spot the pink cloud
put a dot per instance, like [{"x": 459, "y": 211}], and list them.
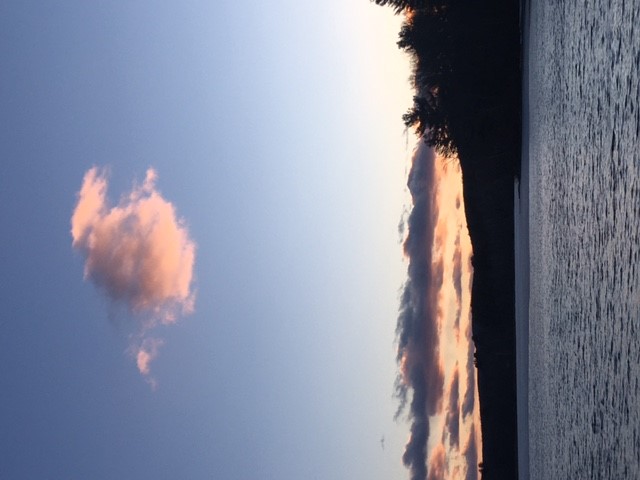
[
  {"x": 437, "y": 463},
  {"x": 138, "y": 252},
  {"x": 147, "y": 352}
]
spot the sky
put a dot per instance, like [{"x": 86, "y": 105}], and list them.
[
  {"x": 260, "y": 153},
  {"x": 436, "y": 384}
]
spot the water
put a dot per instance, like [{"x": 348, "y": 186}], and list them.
[{"x": 584, "y": 219}]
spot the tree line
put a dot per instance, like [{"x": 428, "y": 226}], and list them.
[{"x": 466, "y": 72}]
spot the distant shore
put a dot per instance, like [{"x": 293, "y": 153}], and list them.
[
  {"x": 491, "y": 162},
  {"x": 469, "y": 103},
  {"x": 473, "y": 105}
]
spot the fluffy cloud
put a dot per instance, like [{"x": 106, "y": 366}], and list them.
[
  {"x": 138, "y": 252},
  {"x": 147, "y": 351}
]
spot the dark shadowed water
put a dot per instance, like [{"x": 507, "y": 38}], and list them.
[{"x": 584, "y": 331}]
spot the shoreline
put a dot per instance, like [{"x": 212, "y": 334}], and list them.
[{"x": 522, "y": 261}]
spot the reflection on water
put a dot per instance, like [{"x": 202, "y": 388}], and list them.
[{"x": 585, "y": 240}]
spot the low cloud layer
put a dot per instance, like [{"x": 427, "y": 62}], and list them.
[
  {"x": 436, "y": 381},
  {"x": 417, "y": 328},
  {"x": 138, "y": 253}
]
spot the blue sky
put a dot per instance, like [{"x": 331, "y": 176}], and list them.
[{"x": 275, "y": 131}]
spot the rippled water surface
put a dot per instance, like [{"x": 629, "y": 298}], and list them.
[{"x": 584, "y": 358}]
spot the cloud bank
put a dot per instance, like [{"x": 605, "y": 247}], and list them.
[
  {"x": 417, "y": 328},
  {"x": 138, "y": 253},
  {"x": 436, "y": 380}
]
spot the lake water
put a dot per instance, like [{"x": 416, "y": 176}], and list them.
[{"x": 583, "y": 163}]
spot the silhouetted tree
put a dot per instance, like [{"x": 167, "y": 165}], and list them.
[
  {"x": 402, "y": 5},
  {"x": 460, "y": 67},
  {"x": 430, "y": 123}
]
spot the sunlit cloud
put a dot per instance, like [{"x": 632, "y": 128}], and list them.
[
  {"x": 147, "y": 351},
  {"x": 437, "y": 465},
  {"x": 435, "y": 351},
  {"x": 138, "y": 253}
]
